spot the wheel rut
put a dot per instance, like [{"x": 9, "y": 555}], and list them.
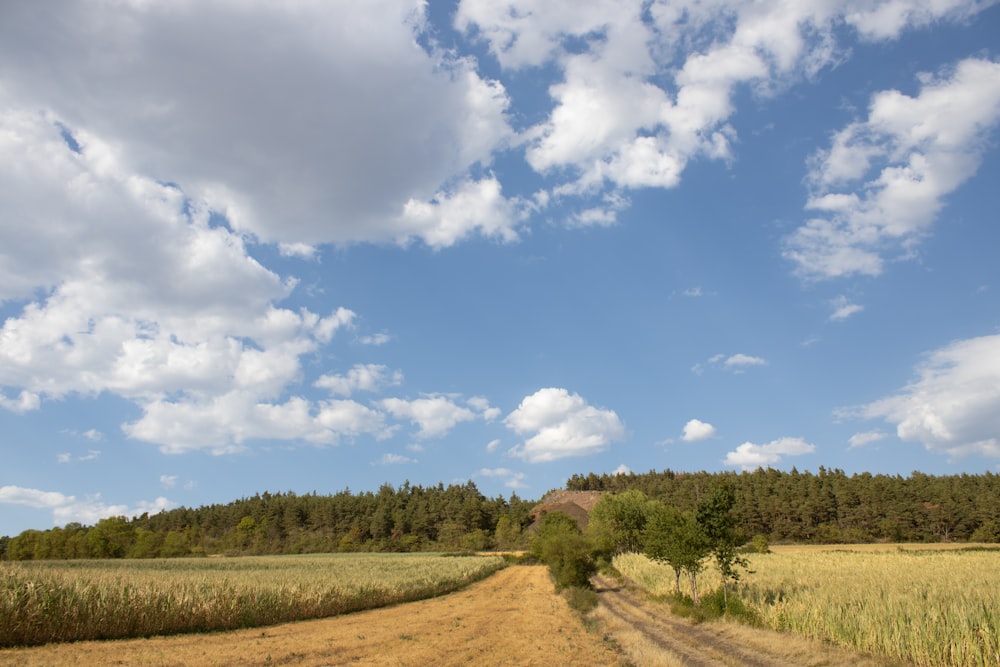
[{"x": 694, "y": 645}]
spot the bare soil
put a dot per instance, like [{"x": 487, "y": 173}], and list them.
[{"x": 511, "y": 618}]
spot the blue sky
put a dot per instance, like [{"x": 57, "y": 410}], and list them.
[{"x": 305, "y": 246}]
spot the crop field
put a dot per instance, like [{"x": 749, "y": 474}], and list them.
[
  {"x": 55, "y": 601},
  {"x": 922, "y": 605}
]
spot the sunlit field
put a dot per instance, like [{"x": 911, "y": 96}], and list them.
[
  {"x": 50, "y": 601},
  {"x": 925, "y": 605}
]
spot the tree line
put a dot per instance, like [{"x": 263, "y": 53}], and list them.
[
  {"x": 407, "y": 518},
  {"x": 826, "y": 507},
  {"x": 830, "y": 506}
]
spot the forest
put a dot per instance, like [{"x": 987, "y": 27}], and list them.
[{"x": 793, "y": 507}]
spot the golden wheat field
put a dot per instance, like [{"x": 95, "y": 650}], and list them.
[
  {"x": 50, "y": 601},
  {"x": 924, "y": 605}
]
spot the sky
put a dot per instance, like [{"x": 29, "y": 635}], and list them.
[{"x": 320, "y": 245}]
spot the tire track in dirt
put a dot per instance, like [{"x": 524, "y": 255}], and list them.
[{"x": 694, "y": 645}]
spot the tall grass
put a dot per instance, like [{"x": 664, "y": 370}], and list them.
[
  {"x": 52, "y": 601},
  {"x": 926, "y": 607}
]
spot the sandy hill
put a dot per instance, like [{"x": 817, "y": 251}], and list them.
[{"x": 575, "y": 504}]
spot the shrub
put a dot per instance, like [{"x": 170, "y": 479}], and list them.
[{"x": 581, "y": 600}]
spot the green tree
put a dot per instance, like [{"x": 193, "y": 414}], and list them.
[
  {"x": 112, "y": 537},
  {"x": 617, "y": 521},
  {"x": 716, "y": 520},
  {"x": 676, "y": 538},
  {"x": 568, "y": 553},
  {"x": 508, "y": 533}
]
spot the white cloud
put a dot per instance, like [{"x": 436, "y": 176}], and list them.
[
  {"x": 563, "y": 425},
  {"x": 512, "y": 479},
  {"x": 866, "y": 438},
  {"x": 842, "y": 308},
  {"x": 736, "y": 363},
  {"x": 300, "y": 250},
  {"x": 435, "y": 415},
  {"x": 67, "y": 457},
  {"x": 483, "y": 407},
  {"x": 66, "y": 509},
  {"x": 362, "y": 377},
  {"x": 739, "y": 361},
  {"x": 449, "y": 217},
  {"x": 300, "y": 163},
  {"x": 750, "y": 456},
  {"x": 622, "y": 470},
  {"x": 882, "y": 183},
  {"x": 953, "y": 406},
  {"x": 26, "y": 401},
  {"x": 394, "y": 459},
  {"x": 155, "y": 304},
  {"x": 696, "y": 430},
  {"x": 375, "y": 339},
  {"x": 168, "y": 481},
  {"x": 647, "y": 87},
  {"x": 224, "y": 424},
  {"x": 493, "y": 445}
]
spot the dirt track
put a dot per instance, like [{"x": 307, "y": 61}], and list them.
[
  {"x": 679, "y": 642},
  {"x": 511, "y": 618}
]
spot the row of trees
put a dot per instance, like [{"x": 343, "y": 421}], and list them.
[
  {"x": 827, "y": 507},
  {"x": 632, "y": 522},
  {"x": 830, "y": 506},
  {"x": 408, "y": 518}
]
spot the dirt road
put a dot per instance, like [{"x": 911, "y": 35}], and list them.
[
  {"x": 511, "y": 618},
  {"x": 650, "y": 635}
]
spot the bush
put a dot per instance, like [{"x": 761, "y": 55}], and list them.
[
  {"x": 581, "y": 600},
  {"x": 560, "y": 545},
  {"x": 760, "y": 545}
]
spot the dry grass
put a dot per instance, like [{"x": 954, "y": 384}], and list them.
[
  {"x": 512, "y": 618},
  {"x": 923, "y": 604},
  {"x": 930, "y": 607},
  {"x": 50, "y": 601}
]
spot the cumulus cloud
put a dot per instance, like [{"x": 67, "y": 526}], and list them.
[
  {"x": 156, "y": 304},
  {"x": 866, "y": 438},
  {"x": 394, "y": 459},
  {"x": 736, "y": 363},
  {"x": 168, "y": 481},
  {"x": 302, "y": 163},
  {"x": 26, "y": 401},
  {"x": 512, "y": 479},
  {"x": 563, "y": 424},
  {"x": 843, "y": 308},
  {"x": 437, "y": 414},
  {"x": 883, "y": 181},
  {"x": 646, "y": 88},
  {"x": 361, "y": 377},
  {"x": 953, "y": 407},
  {"x": 750, "y": 456},
  {"x": 66, "y": 509},
  {"x": 696, "y": 430}
]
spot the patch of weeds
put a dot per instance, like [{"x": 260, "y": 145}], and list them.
[
  {"x": 714, "y": 605},
  {"x": 408, "y": 638},
  {"x": 523, "y": 558},
  {"x": 582, "y": 600}
]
